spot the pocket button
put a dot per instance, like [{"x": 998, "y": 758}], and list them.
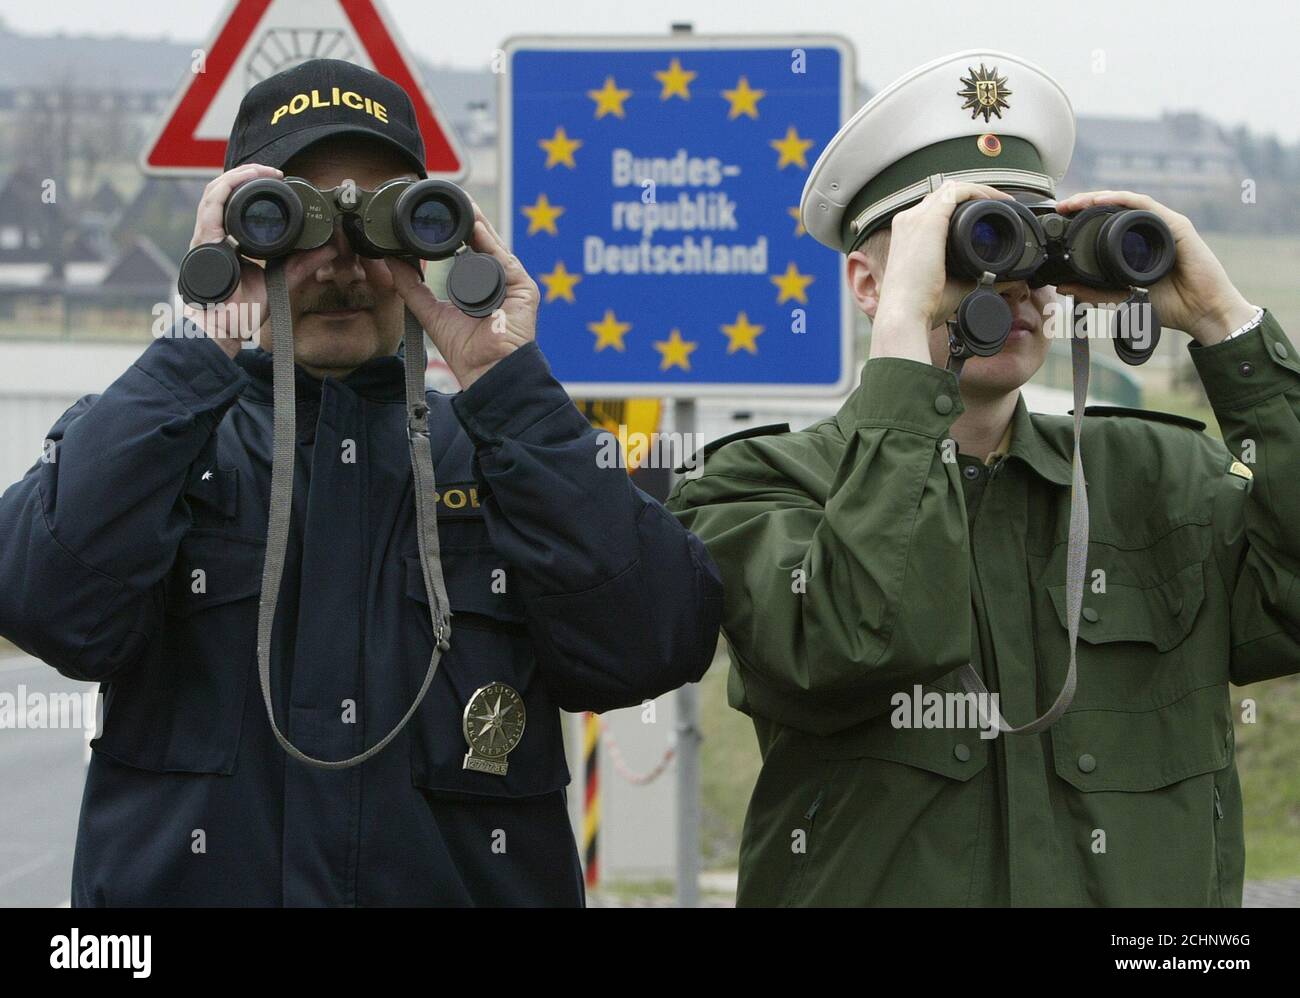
[
  {"x": 1087, "y": 763},
  {"x": 961, "y": 752}
]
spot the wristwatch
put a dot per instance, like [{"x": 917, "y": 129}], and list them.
[{"x": 1259, "y": 317}]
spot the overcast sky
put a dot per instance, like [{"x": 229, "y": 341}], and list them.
[{"x": 1234, "y": 61}]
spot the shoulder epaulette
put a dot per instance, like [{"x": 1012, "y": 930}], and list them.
[
  {"x": 1152, "y": 414},
  {"x": 754, "y": 431}
]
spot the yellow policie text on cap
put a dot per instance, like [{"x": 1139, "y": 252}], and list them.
[{"x": 348, "y": 98}]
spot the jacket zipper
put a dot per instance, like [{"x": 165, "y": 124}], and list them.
[
  {"x": 1218, "y": 804},
  {"x": 811, "y": 813}
]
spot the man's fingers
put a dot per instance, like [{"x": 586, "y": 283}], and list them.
[
  {"x": 409, "y": 283},
  {"x": 1126, "y": 199},
  {"x": 486, "y": 239},
  {"x": 209, "y": 222},
  {"x": 377, "y": 273},
  {"x": 951, "y": 193},
  {"x": 491, "y": 230},
  {"x": 297, "y": 266},
  {"x": 1087, "y": 199}
]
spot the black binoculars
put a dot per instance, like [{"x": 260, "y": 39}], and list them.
[
  {"x": 1107, "y": 247},
  {"x": 425, "y": 219}
]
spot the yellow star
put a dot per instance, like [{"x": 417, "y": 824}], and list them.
[
  {"x": 792, "y": 284},
  {"x": 560, "y": 148},
  {"x": 542, "y": 215},
  {"x": 560, "y": 283},
  {"x": 741, "y": 334},
  {"x": 676, "y": 80},
  {"x": 609, "y": 331},
  {"x": 609, "y": 99},
  {"x": 676, "y": 351},
  {"x": 792, "y": 149},
  {"x": 799, "y": 230},
  {"x": 743, "y": 100}
]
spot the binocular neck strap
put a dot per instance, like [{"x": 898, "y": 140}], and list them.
[
  {"x": 277, "y": 536},
  {"x": 1075, "y": 568}
]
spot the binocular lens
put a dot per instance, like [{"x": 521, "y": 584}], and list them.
[
  {"x": 265, "y": 219},
  {"x": 1138, "y": 249},
  {"x": 1134, "y": 247},
  {"x": 984, "y": 235},
  {"x": 988, "y": 239},
  {"x": 432, "y": 220},
  {"x": 265, "y": 216}
]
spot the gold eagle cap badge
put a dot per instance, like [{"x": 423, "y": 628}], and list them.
[
  {"x": 985, "y": 93},
  {"x": 493, "y": 724}
]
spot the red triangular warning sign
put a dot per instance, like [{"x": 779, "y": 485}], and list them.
[{"x": 257, "y": 38}]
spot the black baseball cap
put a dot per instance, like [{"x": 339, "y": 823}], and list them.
[{"x": 322, "y": 99}]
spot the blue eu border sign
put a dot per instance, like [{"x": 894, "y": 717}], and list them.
[{"x": 651, "y": 186}]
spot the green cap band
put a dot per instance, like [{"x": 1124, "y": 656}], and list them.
[{"x": 950, "y": 156}]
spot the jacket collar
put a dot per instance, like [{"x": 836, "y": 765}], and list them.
[
  {"x": 1030, "y": 444},
  {"x": 382, "y": 379}
]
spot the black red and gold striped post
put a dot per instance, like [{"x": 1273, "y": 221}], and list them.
[{"x": 591, "y": 798}]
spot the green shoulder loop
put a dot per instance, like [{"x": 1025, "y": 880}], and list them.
[
  {"x": 1152, "y": 414},
  {"x": 754, "y": 431}
]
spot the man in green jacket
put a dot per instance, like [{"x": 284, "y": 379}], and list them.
[{"x": 926, "y": 527}]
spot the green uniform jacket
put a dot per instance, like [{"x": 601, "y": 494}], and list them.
[{"x": 857, "y": 562}]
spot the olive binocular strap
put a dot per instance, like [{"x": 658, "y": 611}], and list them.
[
  {"x": 1075, "y": 569},
  {"x": 281, "y": 508}
]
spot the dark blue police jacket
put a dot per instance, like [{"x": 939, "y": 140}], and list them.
[{"x": 134, "y": 559}]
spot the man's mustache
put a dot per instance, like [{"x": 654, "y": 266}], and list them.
[{"x": 340, "y": 299}]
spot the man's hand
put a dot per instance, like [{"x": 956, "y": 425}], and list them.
[
  {"x": 1196, "y": 296},
  {"x": 471, "y": 346},
  {"x": 243, "y": 313},
  {"x": 916, "y": 294}
]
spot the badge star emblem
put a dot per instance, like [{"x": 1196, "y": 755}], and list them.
[
  {"x": 985, "y": 92},
  {"x": 493, "y": 724},
  {"x": 206, "y": 476}
]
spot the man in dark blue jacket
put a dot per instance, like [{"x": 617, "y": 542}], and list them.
[{"x": 134, "y": 558}]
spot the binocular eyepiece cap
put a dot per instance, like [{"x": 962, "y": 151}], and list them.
[
  {"x": 985, "y": 320},
  {"x": 476, "y": 284},
  {"x": 208, "y": 274}
]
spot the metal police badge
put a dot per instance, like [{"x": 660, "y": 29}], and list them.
[
  {"x": 493, "y": 725},
  {"x": 985, "y": 92}
]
